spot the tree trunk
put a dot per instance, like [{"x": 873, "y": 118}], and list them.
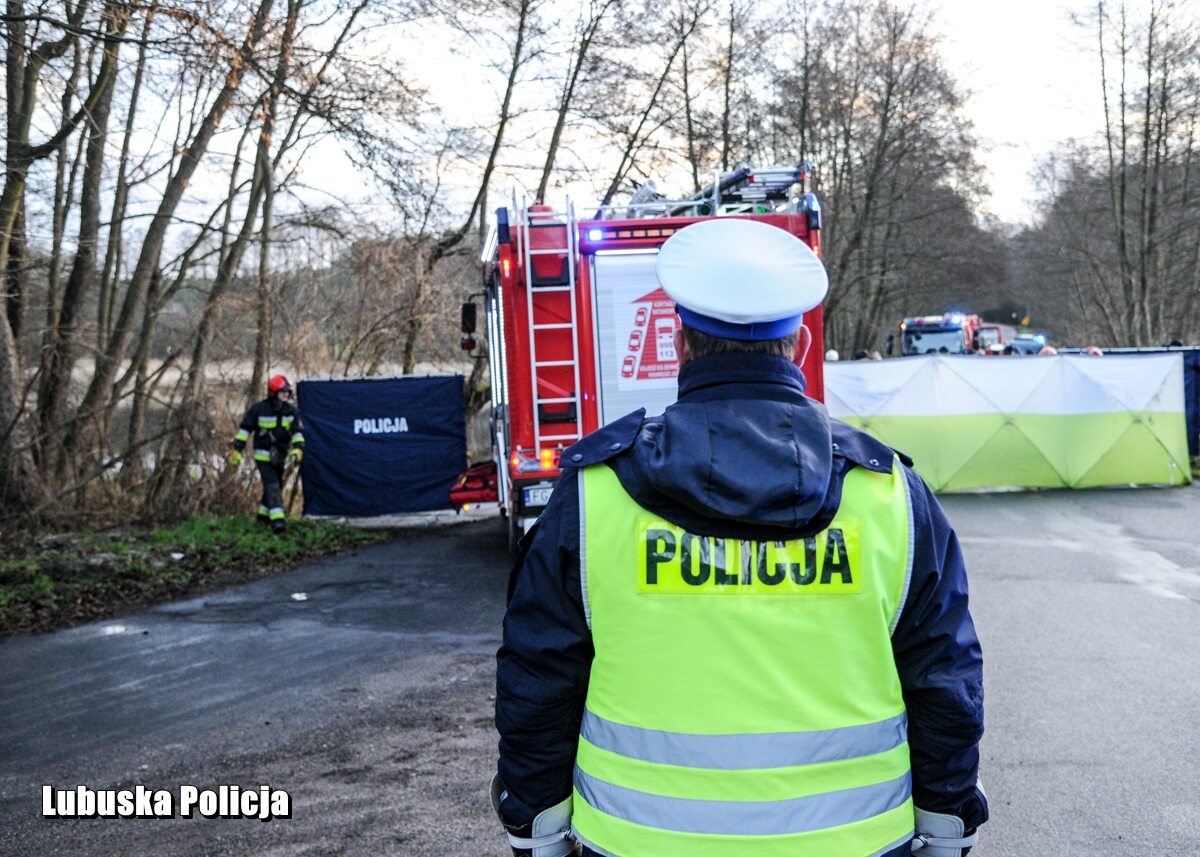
[
  {"x": 412, "y": 331},
  {"x": 629, "y": 155},
  {"x": 17, "y": 482},
  {"x": 14, "y": 65},
  {"x": 19, "y": 154},
  {"x": 688, "y": 122},
  {"x": 727, "y": 87},
  {"x": 262, "y": 339},
  {"x": 108, "y": 361},
  {"x": 141, "y": 389},
  {"x": 453, "y": 238},
  {"x": 64, "y": 199},
  {"x": 586, "y": 37},
  {"x": 233, "y": 257},
  {"x": 56, "y": 380},
  {"x": 106, "y": 303},
  {"x": 15, "y": 276}
]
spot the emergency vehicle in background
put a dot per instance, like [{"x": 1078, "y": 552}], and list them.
[
  {"x": 579, "y": 331},
  {"x": 952, "y": 333}
]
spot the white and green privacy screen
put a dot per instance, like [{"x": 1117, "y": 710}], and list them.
[{"x": 1030, "y": 422}]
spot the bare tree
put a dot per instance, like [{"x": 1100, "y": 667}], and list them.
[
  {"x": 60, "y": 356},
  {"x": 112, "y": 256},
  {"x": 27, "y": 64},
  {"x": 524, "y": 29},
  {"x": 870, "y": 103},
  {"x": 108, "y": 359},
  {"x": 1121, "y": 228},
  {"x": 728, "y": 62},
  {"x": 260, "y": 191},
  {"x": 634, "y": 132},
  {"x": 591, "y": 19}
]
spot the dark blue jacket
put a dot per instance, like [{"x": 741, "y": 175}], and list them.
[{"x": 742, "y": 454}]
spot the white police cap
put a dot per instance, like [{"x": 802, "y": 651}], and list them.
[{"x": 740, "y": 279}]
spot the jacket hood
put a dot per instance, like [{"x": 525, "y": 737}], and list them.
[{"x": 742, "y": 444}]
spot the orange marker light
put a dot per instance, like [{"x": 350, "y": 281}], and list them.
[{"x": 547, "y": 459}]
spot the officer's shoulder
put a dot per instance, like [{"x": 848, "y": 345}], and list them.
[
  {"x": 864, "y": 450},
  {"x": 605, "y": 442}
]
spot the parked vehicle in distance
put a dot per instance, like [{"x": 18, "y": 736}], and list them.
[
  {"x": 1028, "y": 343},
  {"x": 952, "y": 333},
  {"x": 993, "y": 333}
]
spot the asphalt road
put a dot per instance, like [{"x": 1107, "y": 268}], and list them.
[
  {"x": 1088, "y": 607},
  {"x": 362, "y": 685}
]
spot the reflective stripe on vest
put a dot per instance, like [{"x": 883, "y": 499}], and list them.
[
  {"x": 268, "y": 422},
  {"x": 743, "y": 697},
  {"x": 745, "y": 751}
]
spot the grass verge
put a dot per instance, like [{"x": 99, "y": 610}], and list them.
[{"x": 64, "y": 580}]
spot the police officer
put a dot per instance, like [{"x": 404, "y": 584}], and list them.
[
  {"x": 275, "y": 424},
  {"x": 739, "y": 628}
]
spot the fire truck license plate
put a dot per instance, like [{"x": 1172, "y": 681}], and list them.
[{"x": 538, "y": 495}]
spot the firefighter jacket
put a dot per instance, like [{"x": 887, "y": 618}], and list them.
[
  {"x": 743, "y": 458},
  {"x": 275, "y": 427}
]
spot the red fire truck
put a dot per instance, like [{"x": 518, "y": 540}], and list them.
[
  {"x": 579, "y": 331},
  {"x": 952, "y": 333}
]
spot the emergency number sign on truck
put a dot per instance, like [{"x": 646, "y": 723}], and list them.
[{"x": 579, "y": 331}]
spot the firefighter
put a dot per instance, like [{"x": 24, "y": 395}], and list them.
[
  {"x": 741, "y": 627},
  {"x": 275, "y": 424}
]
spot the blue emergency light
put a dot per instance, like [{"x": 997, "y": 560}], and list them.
[{"x": 595, "y": 234}]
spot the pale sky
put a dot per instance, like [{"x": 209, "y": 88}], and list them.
[
  {"x": 1033, "y": 86},
  {"x": 1031, "y": 78}
]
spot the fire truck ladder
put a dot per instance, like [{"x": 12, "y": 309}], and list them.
[
  {"x": 556, "y": 219},
  {"x": 746, "y": 190}
]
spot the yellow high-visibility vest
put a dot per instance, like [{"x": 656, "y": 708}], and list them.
[{"x": 744, "y": 699}]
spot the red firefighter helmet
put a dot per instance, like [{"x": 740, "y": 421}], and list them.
[{"x": 277, "y": 385}]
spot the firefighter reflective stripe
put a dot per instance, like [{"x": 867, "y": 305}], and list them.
[
  {"x": 263, "y": 512},
  {"x": 745, "y": 818},
  {"x": 262, "y": 455},
  {"x": 268, "y": 422},
  {"x": 287, "y": 421},
  {"x": 298, "y": 439},
  {"x": 743, "y": 697},
  {"x": 276, "y": 513},
  {"x": 242, "y": 436},
  {"x": 744, "y": 751}
]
